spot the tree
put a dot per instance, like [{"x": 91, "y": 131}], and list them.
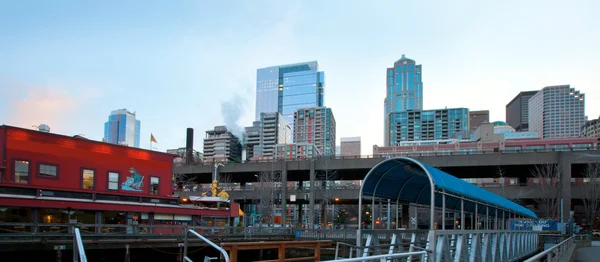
[
  {"x": 268, "y": 182},
  {"x": 591, "y": 192},
  {"x": 225, "y": 182},
  {"x": 547, "y": 178}
]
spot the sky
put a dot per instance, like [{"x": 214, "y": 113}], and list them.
[{"x": 68, "y": 64}]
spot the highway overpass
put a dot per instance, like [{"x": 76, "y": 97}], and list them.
[{"x": 489, "y": 165}]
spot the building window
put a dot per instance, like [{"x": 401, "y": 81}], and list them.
[
  {"x": 88, "y": 178},
  {"x": 47, "y": 170},
  {"x": 21, "y": 172},
  {"x": 154, "y": 181},
  {"x": 113, "y": 181}
]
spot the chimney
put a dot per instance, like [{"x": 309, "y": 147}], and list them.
[{"x": 189, "y": 146}]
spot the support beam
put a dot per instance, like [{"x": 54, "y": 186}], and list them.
[
  {"x": 564, "y": 165},
  {"x": 311, "y": 203},
  {"x": 284, "y": 194}
]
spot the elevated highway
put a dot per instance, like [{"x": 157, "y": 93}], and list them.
[{"x": 351, "y": 168}]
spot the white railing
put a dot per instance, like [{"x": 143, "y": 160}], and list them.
[
  {"x": 78, "y": 250},
  {"x": 448, "y": 245},
  {"x": 212, "y": 244},
  {"x": 560, "y": 252},
  {"x": 387, "y": 257}
]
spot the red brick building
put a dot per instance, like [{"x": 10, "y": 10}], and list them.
[{"x": 44, "y": 176}]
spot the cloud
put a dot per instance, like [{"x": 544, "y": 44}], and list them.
[{"x": 26, "y": 105}]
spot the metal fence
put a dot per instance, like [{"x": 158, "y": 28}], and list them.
[
  {"x": 560, "y": 252},
  {"x": 16, "y": 230}
]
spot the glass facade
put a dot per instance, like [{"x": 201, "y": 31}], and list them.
[
  {"x": 404, "y": 89},
  {"x": 287, "y": 88},
  {"x": 427, "y": 125},
  {"x": 122, "y": 128}
]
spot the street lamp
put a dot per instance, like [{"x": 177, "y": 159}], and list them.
[
  {"x": 217, "y": 165},
  {"x": 261, "y": 198}
]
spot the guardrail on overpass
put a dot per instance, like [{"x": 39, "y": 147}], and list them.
[{"x": 409, "y": 154}]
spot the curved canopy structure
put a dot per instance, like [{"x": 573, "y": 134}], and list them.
[{"x": 405, "y": 179}]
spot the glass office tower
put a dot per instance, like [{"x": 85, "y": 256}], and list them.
[
  {"x": 287, "y": 88},
  {"x": 122, "y": 128},
  {"x": 404, "y": 90}
]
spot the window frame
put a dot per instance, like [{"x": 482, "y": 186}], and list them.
[
  {"x": 81, "y": 178},
  {"x": 150, "y": 186},
  {"x": 39, "y": 170},
  {"x": 108, "y": 172},
  {"x": 14, "y": 171}
]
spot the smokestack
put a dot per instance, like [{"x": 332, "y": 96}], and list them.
[{"x": 189, "y": 146}]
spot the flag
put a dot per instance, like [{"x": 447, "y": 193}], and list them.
[
  {"x": 152, "y": 139},
  {"x": 103, "y": 140}
]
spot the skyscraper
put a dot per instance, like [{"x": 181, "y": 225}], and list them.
[
  {"x": 263, "y": 135},
  {"x": 286, "y": 88},
  {"x": 122, "y": 128},
  {"x": 220, "y": 145},
  {"x": 557, "y": 112},
  {"x": 315, "y": 126},
  {"x": 404, "y": 90},
  {"x": 517, "y": 111}
]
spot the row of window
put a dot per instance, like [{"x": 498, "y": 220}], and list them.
[{"x": 22, "y": 175}]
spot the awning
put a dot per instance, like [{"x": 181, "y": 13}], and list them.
[{"x": 404, "y": 179}]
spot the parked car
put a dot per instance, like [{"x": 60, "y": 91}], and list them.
[{"x": 596, "y": 233}]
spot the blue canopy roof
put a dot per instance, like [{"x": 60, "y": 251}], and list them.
[{"x": 408, "y": 180}]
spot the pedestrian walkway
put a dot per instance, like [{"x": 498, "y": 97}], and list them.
[{"x": 587, "y": 254}]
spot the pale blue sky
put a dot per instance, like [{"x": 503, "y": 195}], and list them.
[{"x": 69, "y": 63}]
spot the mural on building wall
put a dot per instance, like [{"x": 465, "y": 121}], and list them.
[{"x": 134, "y": 182}]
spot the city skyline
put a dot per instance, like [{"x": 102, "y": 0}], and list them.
[{"x": 176, "y": 64}]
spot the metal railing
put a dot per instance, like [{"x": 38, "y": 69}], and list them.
[
  {"x": 448, "y": 245},
  {"x": 14, "y": 231},
  {"x": 185, "y": 246},
  {"x": 337, "y": 234},
  {"x": 387, "y": 257},
  {"x": 415, "y": 154},
  {"x": 78, "y": 250},
  {"x": 557, "y": 252}
]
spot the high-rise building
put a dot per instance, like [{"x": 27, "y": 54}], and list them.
[
  {"x": 428, "y": 125},
  {"x": 299, "y": 151},
  {"x": 220, "y": 145},
  {"x": 591, "y": 128},
  {"x": 404, "y": 90},
  {"x": 476, "y": 118},
  {"x": 557, "y": 112},
  {"x": 517, "y": 111},
  {"x": 315, "y": 125},
  {"x": 122, "y": 128},
  {"x": 287, "y": 88},
  {"x": 350, "y": 146},
  {"x": 263, "y": 135}
]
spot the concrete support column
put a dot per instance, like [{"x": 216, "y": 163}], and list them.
[
  {"x": 413, "y": 213},
  {"x": 564, "y": 165},
  {"x": 311, "y": 203},
  {"x": 284, "y": 191}
]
